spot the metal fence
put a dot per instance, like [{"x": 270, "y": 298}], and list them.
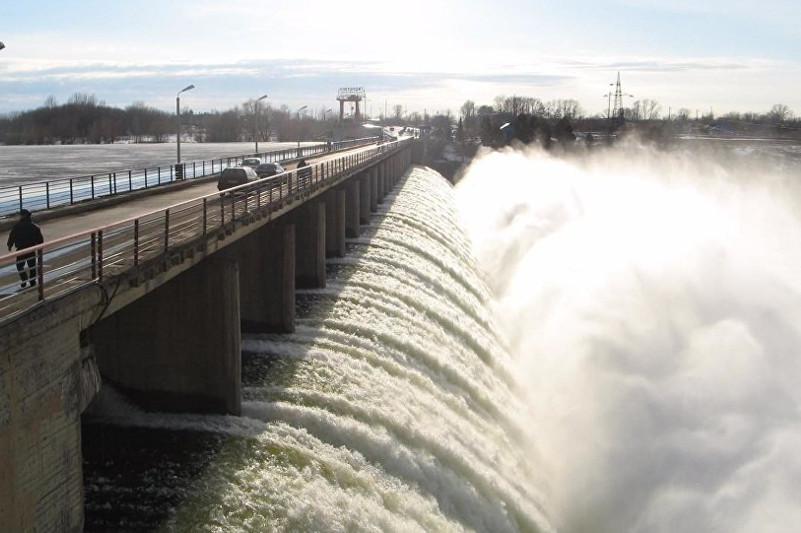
[
  {"x": 41, "y": 195},
  {"x": 91, "y": 256}
]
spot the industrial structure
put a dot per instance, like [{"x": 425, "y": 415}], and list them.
[{"x": 350, "y": 94}]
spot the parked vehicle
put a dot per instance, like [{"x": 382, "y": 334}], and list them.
[
  {"x": 265, "y": 170},
  {"x": 235, "y": 176},
  {"x": 252, "y": 162}
]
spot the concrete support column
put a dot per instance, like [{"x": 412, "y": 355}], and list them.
[
  {"x": 309, "y": 221},
  {"x": 352, "y": 207},
  {"x": 46, "y": 381},
  {"x": 364, "y": 198},
  {"x": 266, "y": 260},
  {"x": 374, "y": 189},
  {"x": 381, "y": 172},
  {"x": 178, "y": 347},
  {"x": 335, "y": 223}
]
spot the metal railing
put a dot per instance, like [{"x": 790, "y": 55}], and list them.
[
  {"x": 36, "y": 196},
  {"x": 75, "y": 261}
]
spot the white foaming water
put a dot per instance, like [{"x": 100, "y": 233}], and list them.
[
  {"x": 653, "y": 306},
  {"x": 394, "y": 407}
]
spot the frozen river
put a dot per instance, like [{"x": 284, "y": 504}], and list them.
[{"x": 22, "y": 164}]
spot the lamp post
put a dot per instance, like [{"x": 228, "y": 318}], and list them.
[
  {"x": 257, "y": 117},
  {"x": 297, "y": 113},
  {"x": 178, "y": 121}
]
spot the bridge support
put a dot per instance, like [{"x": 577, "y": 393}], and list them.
[
  {"x": 266, "y": 260},
  {"x": 374, "y": 189},
  {"x": 178, "y": 347},
  {"x": 335, "y": 223},
  {"x": 364, "y": 198},
  {"x": 352, "y": 207},
  {"x": 379, "y": 177},
  {"x": 310, "y": 245},
  {"x": 46, "y": 380}
]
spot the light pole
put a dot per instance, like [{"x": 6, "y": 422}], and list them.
[
  {"x": 297, "y": 113},
  {"x": 178, "y": 120},
  {"x": 257, "y": 117}
]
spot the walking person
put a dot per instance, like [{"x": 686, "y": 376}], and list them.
[{"x": 23, "y": 235}]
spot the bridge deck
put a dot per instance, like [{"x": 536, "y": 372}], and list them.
[
  {"x": 104, "y": 243},
  {"x": 102, "y": 216}
]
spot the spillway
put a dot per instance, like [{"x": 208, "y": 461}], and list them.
[{"x": 393, "y": 407}]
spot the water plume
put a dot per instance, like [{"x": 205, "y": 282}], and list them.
[{"x": 652, "y": 301}]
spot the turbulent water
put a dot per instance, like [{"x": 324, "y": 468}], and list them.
[
  {"x": 394, "y": 407},
  {"x": 652, "y": 302}
]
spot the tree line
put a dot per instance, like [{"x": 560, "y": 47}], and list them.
[{"x": 83, "y": 119}]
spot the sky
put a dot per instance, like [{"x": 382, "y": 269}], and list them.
[{"x": 719, "y": 55}]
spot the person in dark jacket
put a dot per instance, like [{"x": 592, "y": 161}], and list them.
[
  {"x": 23, "y": 235},
  {"x": 304, "y": 172}
]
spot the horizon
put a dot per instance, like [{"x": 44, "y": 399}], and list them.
[{"x": 739, "y": 56}]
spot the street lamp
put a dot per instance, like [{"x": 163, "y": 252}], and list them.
[
  {"x": 258, "y": 116},
  {"x": 297, "y": 113},
  {"x": 178, "y": 120}
]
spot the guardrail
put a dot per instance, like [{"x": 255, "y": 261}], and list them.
[
  {"x": 37, "y": 196},
  {"x": 75, "y": 261}
]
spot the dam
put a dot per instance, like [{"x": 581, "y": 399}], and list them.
[{"x": 391, "y": 407}]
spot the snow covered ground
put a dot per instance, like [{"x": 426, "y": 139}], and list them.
[{"x": 21, "y": 164}]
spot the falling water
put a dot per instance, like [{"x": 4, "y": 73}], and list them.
[
  {"x": 394, "y": 407},
  {"x": 652, "y": 302}
]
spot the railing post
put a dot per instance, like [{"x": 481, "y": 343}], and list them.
[
  {"x": 40, "y": 272},
  {"x": 159, "y": 178},
  {"x": 166, "y": 229},
  {"x": 94, "y": 255},
  {"x": 71, "y": 196},
  {"x": 130, "y": 181},
  {"x": 205, "y": 220},
  {"x": 100, "y": 255},
  {"x": 20, "y": 197},
  {"x": 110, "y": 192},
  {"x": 145, "y": 178},
  {"x": 136, "y": 242},
  {"x": 47, "y": 194},
  {"x": 92, "y": 179}
]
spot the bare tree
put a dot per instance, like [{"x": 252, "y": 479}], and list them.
[
  {"x": 780, "y": 113},
  {"x": 649, "y": 109}
]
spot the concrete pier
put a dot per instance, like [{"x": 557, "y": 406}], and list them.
[
  {"x": 364, "y": 198},
  {"x": 47, "y": 378},
  {"x": 266, "y": 262},
  {"x": 309, "y": 221},
  {"x": 374, "y": 189},
  {"x": 352, "y": 207},
  {"x": 380, "y": 189},
  {"x": 335, "y": 223},
  {"x": 178, "y": 348}
]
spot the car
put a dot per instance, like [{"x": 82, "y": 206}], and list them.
[
  {"x": 265, "y": 170},
  {"x": 252, "y": 162},
  {"x": 235, "y": 176}
]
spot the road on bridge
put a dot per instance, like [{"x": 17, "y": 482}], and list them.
[{"x": 103, "y": 216}]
